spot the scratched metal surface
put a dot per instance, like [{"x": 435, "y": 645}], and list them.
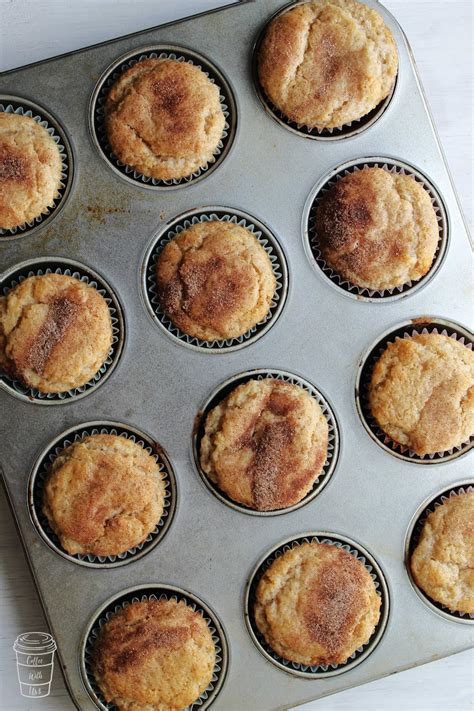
[{"x": 159, "y": 385}]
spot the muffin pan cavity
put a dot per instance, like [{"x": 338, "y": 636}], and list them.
[
  {"x": 260, "y": 374},
  {"x": 311, "y": 240},
  {"x": 405, "y": 330},
  {"x": 154, "y": 592},
  {"x": 25, "y": 107},
  {"x": 40, "y": 472},
  {"x": 324, "y": 670},
  {"x": 162, "y": 51}
]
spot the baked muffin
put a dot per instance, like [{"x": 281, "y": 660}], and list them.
[
  {"x": 103, "y": 495},
  {"x": 155, "y": 654},
  {"x": 422, "y": 393},
  {"x": 30, "y": 170},
  {"x": 442, "y": 563},
  {"x": 327, "y": 62},
  {"x": 215, "y": 280},
  {"x": 377, "y": 229},
  {"x": 316, "y": 604},
  {"x": 55, "y": 332},
  {"x": 164, "y": 118},
  {"x": 265, "y": 444}
]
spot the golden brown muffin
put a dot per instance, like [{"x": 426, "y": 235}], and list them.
[
  {"x": 164, "y": 118},
  {"x": 103, "y": 496},
  {"x": 156, "y": 655},
  {"x": 265, "y": 444},
  {"x": 30, "y": 170},
  {"x": 327, "y": 62},
  {"x": 215, "y": 280},
  {"x": 316, "y": 604},
  {"x": 422, "y": 393},
  {"x": 55, "y": 332},
  {"x": 442, "y": 563},
  {"x": 377, "y": 229}
]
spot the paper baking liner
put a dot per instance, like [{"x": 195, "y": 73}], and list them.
[
  {"x": 413, "y": 536},
  {"x": 223, "y": 391},
  {"x": 68, "y": 267},
  {"x": 322, "y": 670},
  {"x": 22, "y": 107},
  {"x": 154, "y": 592},
  {"x": 311, "y": 239},
  {"x": 406, "y": 330},
  {"x": 41, "y": 471},
  {"x": 110, "y": 76},
  {"x": 183, "y": 222},
  {"x": 346, "y": 130}
]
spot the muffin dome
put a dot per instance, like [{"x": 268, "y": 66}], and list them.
[
  {"x": 377, "y": 229},
  {"x": 327, "y": 62},
  {"x": 215, "y": 280},
  {"x": 55, "y": 332},
  {"x": 30, "y": 170},
  {"x": 422, "y": 393},
  {"x": 265, "y": 444},
  {"x": 154, "y": 654},
  {"x": 103, "y": 496},
  {"x": 316, "y": 604},
  {"x": 164, "y": 118},
  {"x": 442, "y": 563}
]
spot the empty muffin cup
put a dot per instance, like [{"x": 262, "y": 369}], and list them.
[
  {"x": 116, "y": 69},
  {"x": 323, "y": 670},
  {"x": 154, "y": 592}
]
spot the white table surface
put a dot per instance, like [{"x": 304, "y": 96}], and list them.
[{"x": 441, "y": 35}]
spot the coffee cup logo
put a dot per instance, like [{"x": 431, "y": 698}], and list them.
[{"x": 35, "y": 663}]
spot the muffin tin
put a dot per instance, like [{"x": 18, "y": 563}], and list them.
[{"x": 211, "y": 549}]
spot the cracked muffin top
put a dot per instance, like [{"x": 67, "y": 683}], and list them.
[
  {"x": 55, "y": 332},
  {"x": 265, "y": 444},
  {"x": 215, "y": 280},
  {"x": 422, "y": 393},
  {"x": 164, "y": 118},
  {"x": 30, "y": 170},
  {"x": 442, "y": 563},
  {"x": 154, "y": 654},
  {"x": 103, "y": 495},
  {"x": 377, "y": 229},
  {"x": 328, "y": 62},
  {"x": 316, "y": 604}
]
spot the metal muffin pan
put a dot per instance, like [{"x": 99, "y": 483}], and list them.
[{"x": 211, "y": 550}]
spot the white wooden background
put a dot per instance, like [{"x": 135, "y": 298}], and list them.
[{"x": 441, "y": 35}]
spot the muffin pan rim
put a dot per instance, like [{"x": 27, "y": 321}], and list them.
[
  {"x": 69, "y": 150},
  {"x": 282, "y": 264},
  {"x": 172, "y": 590},
  {"x": 433, "y": 606},
  {"x": 224, "y": 84},
  {"x": 120, "y": 315},
  {"x": 163, "y": 459},
  {"x": 358, "y": 388},
  {"x": 444, "y": 225},
  {"x": 379, "y": 631},
  {"x": 240, "y": 378}
]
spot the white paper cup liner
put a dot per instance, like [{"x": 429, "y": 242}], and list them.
[
  {"x": 22, "y": 107},
  {"x": 155, "y": 592},
  {"x": 223, "y": 391},
  {"x": 41, "y": 472},
  {"x": 68, "y": 267},
  {"x": 266, "y": 239},
  {"x": 346, "y": 130},
  {"x": 406, "y": 330},
  {"x": 413, "y": 538},
  {"x": 110, "y": 76},
  {"x": 312, "y": 240},
  {"x": 321, "y": 670}
]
